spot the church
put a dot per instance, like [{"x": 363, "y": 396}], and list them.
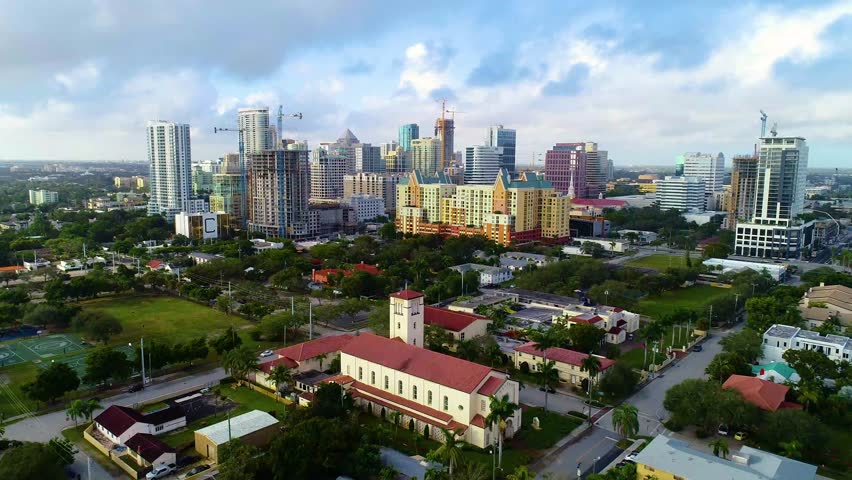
[{"x": 429, "y": 389}]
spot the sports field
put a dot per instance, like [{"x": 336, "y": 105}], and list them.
[
  {"x": 38, "y": 348},
  {"x": 659, "y": 261}
]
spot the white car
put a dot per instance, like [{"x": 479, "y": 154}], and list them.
[
  {"x": 266, "y": 353},
  {"x": 161, "y": 471},
  {"x": 631, "y": 457}
]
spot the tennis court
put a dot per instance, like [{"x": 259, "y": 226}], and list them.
[{"x": 38, "y": 348}]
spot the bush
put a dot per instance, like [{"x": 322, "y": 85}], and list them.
[
  {"x": 701, "y": 433},
  {"x": 672, "y": 425},
  {"x": 255, "y": 334},
  {"x": 577, "y": 414}
]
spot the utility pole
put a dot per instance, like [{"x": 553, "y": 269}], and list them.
[{"x": 310, "y": 321}]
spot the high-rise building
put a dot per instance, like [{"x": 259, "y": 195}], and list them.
[
  {"x": 345, "y": 145},
  {"x": 386, "y": 148},
  {"x": 230, "y": 163},
  {"x": 227, "y": 197},
  {"x": 445, "y": 133},
  {"x": 426, "y": 155},
  {"x": 507, "y": 211},
  {"x": 202, "y": 180},
  {"x": 278, "y": 188},
  {"x": 381, "y": 185},
  {"x": 407, "y": 133},
  {"x": 774, "y": 229},
  {"x": 597, "y": 162},
  {"x": 506, "y": 138},
  {"x": 368, "y": 158},
  {"x": 169, "y": 157},
  {"x": 397, "y": 161},
  {"x": 482, "y": 164},
  {"x": 43, "y": 197},
  {"x": 254, "y": 128},
  {"x": 679, "y": 165},
  {"x": 681, "y": 193},
  {"x": 327, "y": 171},
  {"x": 707, "y": 166},
  {"x": 565, "y": 168},
  {"x": 743, "y": 184}
]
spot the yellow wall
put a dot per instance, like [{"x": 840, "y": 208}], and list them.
[{"x": 643, "y": 472}]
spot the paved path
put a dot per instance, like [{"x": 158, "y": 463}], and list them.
[{"x": 556, "y": 402}]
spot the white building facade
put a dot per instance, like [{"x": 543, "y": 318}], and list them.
[
  {"x": 779, "y": 338},
  {"x": 366, "y": 207},
  {"x": 170, "y": 159},
  {"x": 327, "y": 170},
  {"x": 482, "y": 164},
  {"x": 707, "y": 166},
  {"x": 686, "y": 194}
]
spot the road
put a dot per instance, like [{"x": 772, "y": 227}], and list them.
[
  {"x": 44, "y": 427},
  {"x": 592, "y": 452},
  {"x": 556, "y": 402}
]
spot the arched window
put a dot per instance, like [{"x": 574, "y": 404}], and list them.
[
  {"x": 446, "y": 403},
  {"x": 429, "y": 397},
  {"x": 414, "y": 392},
  {"x": 387, "y": 383}
]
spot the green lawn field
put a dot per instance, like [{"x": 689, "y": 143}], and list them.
[
  {"x": 167, "y": 319},
  {"x": 659, "y": 261},
  {"x": 694, "y": 297}
]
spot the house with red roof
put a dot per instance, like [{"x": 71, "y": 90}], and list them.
[
  {"x": 325, "y": 275},
  {"x": 126, "y": 430},
  {"x": 155, "y": 265},
  {"x": 766, "y": 395},
  {"x": 568, "y": 363},
  {"x": 313, "y": 355},
  {"x": 462, "y": 325}
]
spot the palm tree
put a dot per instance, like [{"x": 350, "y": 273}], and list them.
[
  {"x": 76, "y": 410},
  {"x": 625, "y": 419},
  {"x": 500, "y": 410},
  {"x": 280, "y": 375},
  {"x": 792, "y": 449},
  {"x": 451, "y": 451},
  {"x": 321, "y": 358},
  {"x": 720, "y": 447},
  {"x": 395, "y": 418},
  {"x": 239, "y": 362},
  {"x": 520, "y": 473},
  {"x": 473, "y": 471},
  {"x": 592, "y": 366},
  {"x": 89, "y": 407},
  {"x": 552, "y": 337},
  {"x": 388, "y": 473}
]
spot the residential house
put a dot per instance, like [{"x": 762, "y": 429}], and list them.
[
  {"x": 516, "y": 261},
  {"x": 313, "y": 355},
  {"x": 488, "y": 275},
  {"x": 155, "y": 265},
  {"x": 825, "y": 301},
  {"x": 765, "y": 394},
  {"x": 779, "y": 338},
  {"x": 567, "y": 362},
  {"x": 463, "y": 326},
  {"x": 119, "y": 423},
  {"x": 200, "y": 257}
]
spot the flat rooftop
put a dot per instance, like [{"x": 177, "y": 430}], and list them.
[
  {"x": 482, "y": 300},
  {"x": 782, "y": 331},
  {"x": 240, "y": 426}
]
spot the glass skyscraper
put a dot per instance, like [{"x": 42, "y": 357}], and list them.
[
  {"x": 505, "y": 138},
  {"x": 407, "y": 133}
]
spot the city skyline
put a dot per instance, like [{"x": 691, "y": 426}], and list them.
[{"x": 611, "y": 76}]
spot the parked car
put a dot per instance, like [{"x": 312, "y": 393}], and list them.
[
  {"x": 697, "y": 348},
  {"x": 266, "y": 353},
  {"x": 723, "y": 430},
  {"x": 204, "y": 390},
  {"x": 135, "y": 388},
  {"x": 549, "y": 389},
  {"x": 161, "y": 471},
  {"x": 197, "y": 470},
  {"x": 187, "y": 461},
  {"x": 631, "y": 457},
  {"x": 740, "y": 436}
]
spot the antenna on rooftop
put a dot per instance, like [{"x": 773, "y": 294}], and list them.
[
  {"x": 763, "y": 118},
  {"x": 774, "y": 131}
]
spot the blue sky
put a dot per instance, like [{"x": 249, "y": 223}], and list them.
[{"x": 646, "y": 80}]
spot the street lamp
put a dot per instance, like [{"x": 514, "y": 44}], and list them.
[
  {"x": 493, "y": 462},
  {"x": 141, "y": 356}
]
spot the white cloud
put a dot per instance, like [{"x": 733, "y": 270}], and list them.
[
  {"x": 80, "y": 78},
  {"x": 424, "y": 69}
]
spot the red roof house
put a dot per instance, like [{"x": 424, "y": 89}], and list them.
[
  {"x": 314, "y": 348},
  {"x": 155, "y": 265},
  {"x": 766, "y": 395},
  {"x": 367, "y": 268},
  {"x": 449, "y": 319},
  {"x": 563, "y": 355},
  {"x": 151, "y": 450},
  {"x": 120, "y": 424}
]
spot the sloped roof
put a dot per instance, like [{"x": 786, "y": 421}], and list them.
[
  {"x": 491, "y": 385},
  {"x": 449, "y": 319},
  {"x": 267, "y": 367},
  {"x": 148, "y": 446},
  {"x": 406, "y": 294},
  {"x": 419, "y": 362},
  {"x": 312, "y": 348},
  {"x": 117, "y": 419},
  {"x": 563, "y": 355},
  {"x": 348, "y": 138},
  {"x": 367, "y": 268},
  {"x": 763, "y": 393}
]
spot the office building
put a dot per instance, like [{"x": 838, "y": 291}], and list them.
[
  {"x": 685, "y": 194},
  {"x": 366, "y": 207},
  {"x": 381, "y": 185},
  {"x": 482, "y": 164},
  {"x": 278, "y": 189},
  {"x": 407, "y": 133},
  {"x": 43, "y": 197},
  {"x": 210, "y": 166},
  {"x": 202, "y": 180},
  {"x": 506, "y": 138},
  {"x": 507, "y": 211},
  {"x": 774, "y": 229},
  {"x": 387, "y": 147},
  {"x": 743, "y": 184},
  {"x": 426, "y": 155},
  {"x": 227, "y": 195},
  {"x": 679, "y": 165},
  {"x": 397, "y": 161},
  {"x": 597, "y": 163},
  {"x": 707, "y": 166},
  {"x": 445, "y": 133},
  {"x": 169, "y": 157},
  {"x": 229, "y": 163},
  {"x": 202, "y": 226},
  {"x": 327, "y": 170},
  {"x": 368, "y": 158},
  {"x": 565, "y": 168}
]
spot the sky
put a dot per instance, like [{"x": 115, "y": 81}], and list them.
[{"x": 647, "y": 80}]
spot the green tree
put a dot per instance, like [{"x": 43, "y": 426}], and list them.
[
  {"x": 811, "y": 365},
  {"x": 225, "y": 304},
  {"x": 438, "y": 339},
  {"x": 726, "y": 364},
  {"x": 379, "y": 319},
  {"x": 792, "y": 449},
  {"x": 789, "y": 425},
  {"x": 625, "y": 419},
  {"x": 763, "y": 312},
  {"x": 500, "y": 410},
  {"x": 104, "y": 364},
  {"x": 620, "y": 380},
  {"x": 720, "y": 447},
  {"x": 239, "y": 362},
  {"x": 592, "y": 366},
  {"x": 585, "y": 338},
  {"x": 239, "y": 462},
  {"x": 255, "y": 310},
  {"x": 746, "y": 343},
  {"x": 275, "y": 326},
  {"x": 228, "y": 340},
  {"x": 89, "y": 407},
  {"x": 451, "y": 451},
  {"x": 52, "y": 382},
  {"x": 32, "y": 461},
  {"x": 545, "y": 340},
  {"x": 45, "y": 314},
  {"x": 280, "y": 375},
  {"x": 331, "y": 401},
  {"x": 468, "y": 350},
  {"x": 75, "y": 410},
  {"x": 97, "y": 325},
  {"x": 521, "y": 473}
]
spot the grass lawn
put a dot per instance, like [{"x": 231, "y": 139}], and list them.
[
  {"x": 554, "y": 427},
  {"x": 658, "y": 261},
  {"x": 15, "y": 377},
  {"x": 167, "y": 319},
  {"x": 694, "y": 297}
]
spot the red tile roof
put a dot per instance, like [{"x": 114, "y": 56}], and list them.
[
  {"x": 12, "y": 268},
  {"x": 614, "y": 330},
  {"x": 419, "y": 362},
  {"x": 406, "y": 294},
  {"x": 406, "y": 406},
  {"x": 491, "y": 385},
  {"x": 312, "y": 348},
  {"x": 591, "y": 320},
  {"x": 621, "y": 323},
  {"x": 267, "y": 367},
  {"x": 763, "y": 393},
  {"x": 148, "y": 446},
  {"x": 598, "y": 202},
  {"x": 367, "y": 268},
  {"x": 478, "y": 421},
  {"x": 154, "y": 264},
  {"x": 117, "y": 419},
  {"x": 449, "y": 319},
  {"x": 563, "y": 355}
]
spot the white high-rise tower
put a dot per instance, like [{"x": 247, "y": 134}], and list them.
[
  {"x": 254, "y": 126},
  {"x": 169, "y": 157}
]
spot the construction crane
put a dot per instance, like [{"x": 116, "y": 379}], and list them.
[
  {"x": 443, "y": 133},
  {"x": 281, "y": 116},
  {"x": 774, "y": 131},
  {"x": 763, "y": 118}
]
